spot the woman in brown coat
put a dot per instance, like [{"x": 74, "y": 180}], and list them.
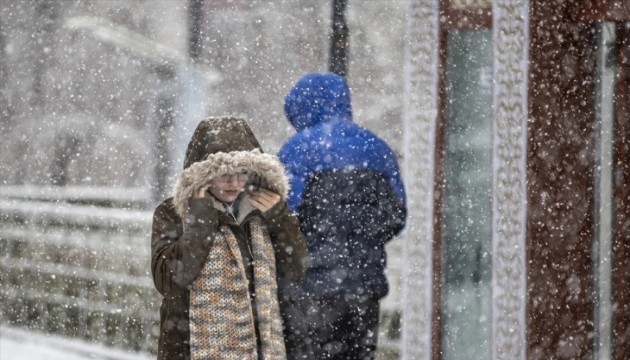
[{"x": 224, "y": 253}]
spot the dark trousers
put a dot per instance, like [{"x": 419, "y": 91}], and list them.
[{"x": 341, "y": 328}]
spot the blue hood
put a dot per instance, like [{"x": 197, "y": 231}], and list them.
[{"x": 318, "y": 98}]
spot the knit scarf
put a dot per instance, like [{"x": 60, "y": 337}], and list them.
[{"x": 221, "y": 315}]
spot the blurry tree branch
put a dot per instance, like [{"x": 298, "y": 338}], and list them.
[{"x": 137, "y": 44}]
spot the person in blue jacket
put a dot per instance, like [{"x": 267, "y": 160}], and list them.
[{"x": 346, "y": 187}]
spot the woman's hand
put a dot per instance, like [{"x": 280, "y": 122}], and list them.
[{"x": 263, "y": 199}]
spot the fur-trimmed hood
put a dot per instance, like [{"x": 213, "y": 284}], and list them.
[{"x": 225, "y": 145}]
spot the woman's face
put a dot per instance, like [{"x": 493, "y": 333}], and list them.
[{"x": 228, "y": 187}]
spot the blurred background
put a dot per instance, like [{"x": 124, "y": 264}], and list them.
[
  {"x": 98, "y": 100},
  {"x": 107, "y": 93},
  {"x": 511, "y": 120}
]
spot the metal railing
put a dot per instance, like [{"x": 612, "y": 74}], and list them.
[{"x": 75, "y": 262}]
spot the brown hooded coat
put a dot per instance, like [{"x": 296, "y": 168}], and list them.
[{"x": 187, "y": 240}]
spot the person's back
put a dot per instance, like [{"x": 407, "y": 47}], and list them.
[{"x": 346, "y": 188}]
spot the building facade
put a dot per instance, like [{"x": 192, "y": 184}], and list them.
[{"x": 517, "y": 120}]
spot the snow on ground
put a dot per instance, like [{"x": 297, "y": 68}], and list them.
[{"x": 20, "y": 344}]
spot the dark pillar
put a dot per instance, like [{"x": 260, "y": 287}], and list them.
[
  {"x": 338, "y": 62},
  {"x": 163, "y": 134},
  {"x": 46, "y": 15},
  {"x": 195, "y": 18},
  {"x": 4, "y": 72}
]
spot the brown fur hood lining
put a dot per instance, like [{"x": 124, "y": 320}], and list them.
[{"x": 267, "y": 166}]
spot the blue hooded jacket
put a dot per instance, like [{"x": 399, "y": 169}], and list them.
[{"x": 346, "y": 187}]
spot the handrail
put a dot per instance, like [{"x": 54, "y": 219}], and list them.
[
  {"x": 67, "y": 262},
  {"x": 64, "y": 193}
]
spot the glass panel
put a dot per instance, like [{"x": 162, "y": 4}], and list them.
[
  {"x": 466, "y": 196},
  {"x": 602, "y": 246}
]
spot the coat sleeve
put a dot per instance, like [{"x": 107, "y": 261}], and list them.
[
  {"x": 288, "y": 242},
  {"x": 179, "y": 248},
  {"x": 398, "y": 204},
  {"x": 393, "y": 211}
]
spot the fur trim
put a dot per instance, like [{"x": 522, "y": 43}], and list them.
[{"x": 267, "y": 166}]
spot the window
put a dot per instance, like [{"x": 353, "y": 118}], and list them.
[{"x": 465, "y": 226}]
